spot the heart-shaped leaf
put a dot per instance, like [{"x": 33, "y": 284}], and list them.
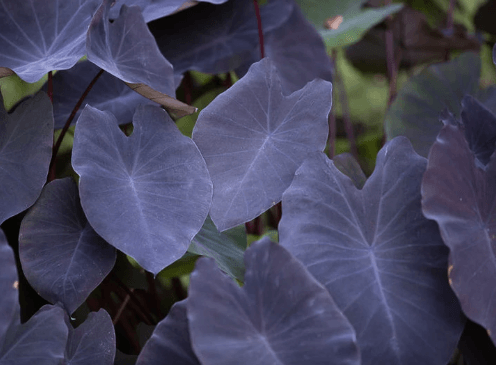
[
  {"x": 127, "y": 50},
  {"x": 170, "y": 341},
  {"x": 253, "y": 139},
  {"x": 415, "y": 111},
  {"x": 41, "y": 36},
  {"x": 62, "y": 256},
  {"x": 382, "y": 261},
  {"x": 93, "y": 342},
  {"x": 227, "y": 248},
  {"x": 8, "y": 286},
  {"x": 40, "y": 340},
  {"x": 147, "y": 194},
  {"x": 460, "y": 197},
  {"x": 26, "y": 138},
  {"x": 282, "y": 315}
]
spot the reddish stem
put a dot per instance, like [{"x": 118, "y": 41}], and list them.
[
  {"x": 50, "y": 86},
  {"x": 188, "y": 85},
  {"x": 51, "y": 174},
  {"x": 260, "y": 30}
]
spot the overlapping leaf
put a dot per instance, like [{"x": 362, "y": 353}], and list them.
[
  {"x": 41, "y": 36},
  {"x": 382, "y": 261},
  {"x": 108, "y": 94},
  {"x": 222, "y": 38},
  {"x": 26, "y": 138},
  {"x": 282, "y": 315},
  {"x": 253, "y": 139},
  {"x": 93, "y": 342},
  {"x": 154, "y": 9},
  {"x": 227, "y": 248},
  {"x": 147, "y": 194},
  {"x": 460, "y": 197},
  {"x": 170, "y": 341},
  {"x": 40, "y": 340},
  {"x": 354, "y": 21},
  {"x": 8, "y": 286},
  {"x": 127, "y": 50},
  {"x": 62, "y": 256},
  {"x": 415, "y": 111}
]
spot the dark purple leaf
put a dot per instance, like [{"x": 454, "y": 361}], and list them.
[
  {"x": 415, "y": 111},
  {"x": 93, "y": 342},
  {"x": 226, "y": 248},
  {"x": 40, "y": 341},
  {"x": 170, "y": 342},
  {"x": 282, "y": 315},
  {"x": 480, "y": 128},
  {"x": 108, "y": 94},
  {"x": 26, "y": 138},
  {"x": 62, "y": 257},
  {"x": 127, "y": 50},
  {"x": 41, "y": 36},
  {"x": 298, "y": 52},
  {"x": 8, "y": 286},
  {"x": 382, "y": 261},
  {"x": 346, "y": 163},
  {"x": 253, "y": 139},
  {"x": 222, "y": 38},
  {"x": 154, "y": 9},
  {"x": 147, "y": 194},
  {"x": 461, "y": 198}
]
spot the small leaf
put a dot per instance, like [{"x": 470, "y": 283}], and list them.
[
  {"x": 147, "y": 194},
  {"x": 282, "y": 315},
  {"x": 62, "y": 257},
  {"x": 26, "y": 138},
  {"x": 170, "y": 340},
  {"x": 93, "y": 342},
  {"x": 382, "y": 261},
  {"x": 253, "y": 139}
]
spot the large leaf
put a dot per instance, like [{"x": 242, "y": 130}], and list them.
[
  {"x": 253, "y": 139},
  {"x": 127, "y": 50},
  {"x": 415, "y": 111},
  {"x": 227, "y": 248},
  {"x": 382, "y": 261},
  {"x": 282, "y": 315},
  {"x": 222, "y": 38},
  {"x": 62, "y": 257},
  {"x": 354, "y": 23},
  {"x": 93, "y": 342},
  {"x": 41, "y": 340},
  {"x": 461, "y": 197},
  {"x": 26, "y": 138},
  {"x": 170, "y": 341},
  {"x": 147, "y": 194},
  {"x": 154, "y": 9},
  {"x": 41, "y": 36},
  {"x": 8, "y": 286},
  {"x": 108, "y": 94}
]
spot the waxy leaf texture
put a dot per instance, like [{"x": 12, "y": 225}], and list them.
[
  {"x": 147, "y": 194},
  {"x": 62, "y": 257},
  {"x": 460, "y": 196},
  {"x": 26, "y": 137},
  {"x": 282, "y": 315},
  {"x": 41, "y": 36},
  {"x": 253, "y": 139},
  {"x": 382, "y": 261},
  {"x": 8, "y": 286}
]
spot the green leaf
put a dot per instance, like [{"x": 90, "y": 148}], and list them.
[{"x": 356, "y": 20}]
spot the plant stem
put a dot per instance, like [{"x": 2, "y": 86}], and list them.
[
  {"x": 50, "y": 86},
  {"x": 260, "y": 30},
  {"x": 51, "y": 174}
]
